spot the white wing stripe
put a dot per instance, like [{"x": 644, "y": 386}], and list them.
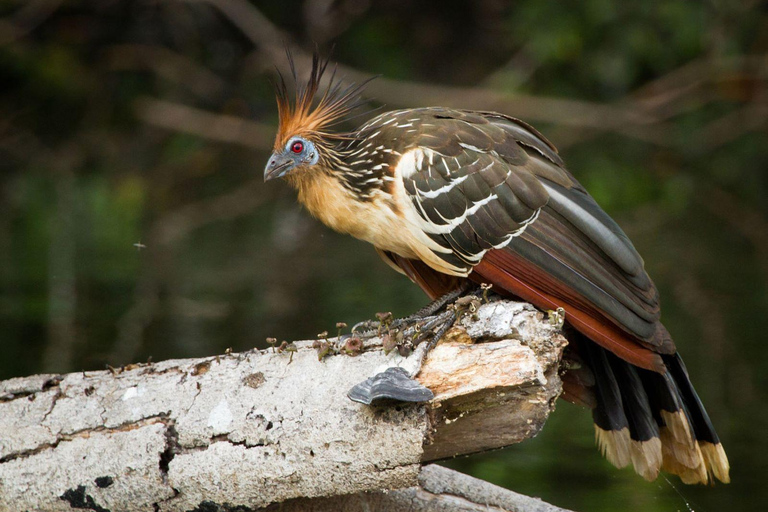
[
  {"x": 471, "y": 147},
  {"x": 519, "y": 231},
  {"x": 453, "y": 223},
  {"x": 447, "y": 188}
]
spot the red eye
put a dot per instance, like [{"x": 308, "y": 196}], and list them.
[{"x": 297, "y": 147}]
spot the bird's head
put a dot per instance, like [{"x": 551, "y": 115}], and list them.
[
  {"x": 299, "y": 152},
  {"x": 303, "y": 141}
]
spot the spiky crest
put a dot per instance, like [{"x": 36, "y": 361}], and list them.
[{"x": 300, "y": 118}]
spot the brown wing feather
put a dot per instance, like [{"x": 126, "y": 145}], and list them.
[{"x": 517, "y": 276}]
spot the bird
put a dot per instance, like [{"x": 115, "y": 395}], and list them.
[{"x": 449, "y": 197}]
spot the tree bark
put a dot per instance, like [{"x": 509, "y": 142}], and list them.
[
  {"x": 439, "y": 489},
  {"x": 259, "y": 428}
]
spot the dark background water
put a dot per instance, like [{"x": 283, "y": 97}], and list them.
[{"x": 149, "y": 122}]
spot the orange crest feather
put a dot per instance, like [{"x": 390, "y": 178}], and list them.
[{"x": 300, "y": 118}]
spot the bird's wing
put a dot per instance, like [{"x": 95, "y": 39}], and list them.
[{"x": 495, "y": 195}]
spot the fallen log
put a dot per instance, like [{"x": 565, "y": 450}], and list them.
[{"x": 263, "y": 427}]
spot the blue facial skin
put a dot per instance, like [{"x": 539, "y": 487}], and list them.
[{"x": 297, "y": 152}]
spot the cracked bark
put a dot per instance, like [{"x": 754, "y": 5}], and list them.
[{"x": 247, "y": 431}]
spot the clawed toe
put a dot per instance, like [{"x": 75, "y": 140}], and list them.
[
  {"x": 429, "y": 324},
  {"x": 426, "y": 326}
]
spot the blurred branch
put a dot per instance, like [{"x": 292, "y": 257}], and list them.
[
  {"x": 326, "y": 20},
  {"x": 271, "y": 42},
  {"x": 439, "y": 489},
  {"x": 571, "y": 113},
  {"x": 685, "y": 88},
  {"x": 522, "y": 65},
  {"x": 641, "y": 115},
  {"x": 252, "y": 23},
  {"x": 692, "y": 87},
  {"x": 731, "y": 126},
  {"x": 29, "y": 16},
  {"x": 178, "y": 223},
  {"x": 167, "y": 64},
  {"x": 748, "y": 222},
  {"x": 752, "y": 116},
  {"x": 220, "y": 127}
]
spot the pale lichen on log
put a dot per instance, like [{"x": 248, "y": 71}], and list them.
[{"x": 258, "y": 428}]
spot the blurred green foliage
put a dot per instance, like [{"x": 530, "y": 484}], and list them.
[{"x": 122, "y": 239}]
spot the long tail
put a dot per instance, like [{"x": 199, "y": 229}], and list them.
[{"x": 655, "y": 421}]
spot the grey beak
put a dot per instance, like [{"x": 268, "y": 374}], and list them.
[{"x": 277, "y": 167}]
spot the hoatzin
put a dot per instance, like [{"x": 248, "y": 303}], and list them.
[{"x": 448, "y": 195}]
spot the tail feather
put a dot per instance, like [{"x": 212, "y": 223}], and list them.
[
  {"x": 680, "y": 451},
  {"x": 655, "y": 421},
  {"x": 715, "y": 460},
  {"x": 611, "y": 424},
  {"x": 645, "y": 446}
]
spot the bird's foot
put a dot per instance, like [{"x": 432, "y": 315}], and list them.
[
  {"x": 429, "y": 324},
  {"x": 423, "y": 329}
]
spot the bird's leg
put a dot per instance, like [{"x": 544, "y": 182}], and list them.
[
  {"x": 385, "y": 323},
  {"x": 421, "y": 331},
  {"x": 439, "y": 303}
]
